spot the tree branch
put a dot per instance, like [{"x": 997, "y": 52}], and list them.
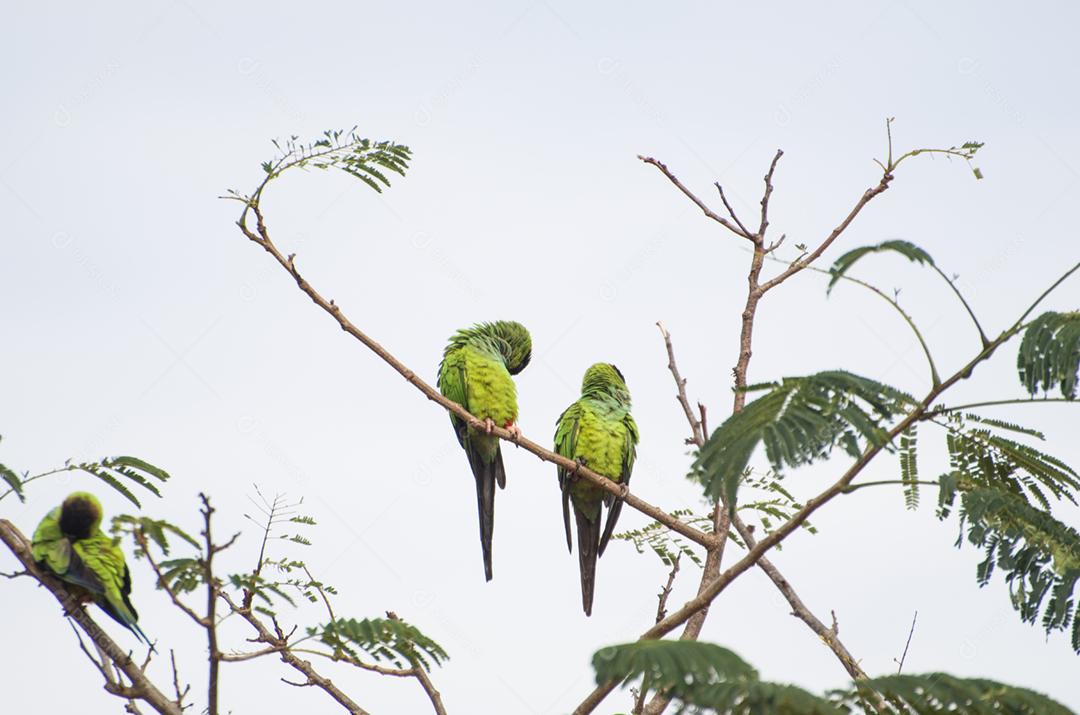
[
  {"x": 693, "y": 612},
  {"x": 144, "y": 546},
  {"x": 755, "y": 553},
  {"x": 662, "y": 597},
  {"x": 768, "y": 194},
  {"x": 730, "y": 210},
  {"x": 697, "y": 428},
  {"x": 813, "y": 504},
  {"x": 277, "y": 640},
  {"x": 903, "y": 656},
  {"x": 802, "y": 263},
  {"x": 210, "y": 620},
  {"x": 737, "y": 230},
  {"x": 262, "y": 238},
  {"x": 429, "y": 688},
  {"x": 180, "y": 694},
  {"x": 724, "y": 517},
  {"x": 798, "y": 608}
]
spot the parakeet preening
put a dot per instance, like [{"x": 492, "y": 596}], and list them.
[
  {"x": 475, "y": 373},
  {"x": 598, "y": 432},
  {"x": 70, "y": 543}
]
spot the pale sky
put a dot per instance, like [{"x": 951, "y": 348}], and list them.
[{"x": 140, "y": 321}]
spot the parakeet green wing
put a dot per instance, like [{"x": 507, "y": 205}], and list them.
[
  {"x": 566, "y": 432},
  {"x": 614, "y": 503},
  {"x": 104, "y": 560}
]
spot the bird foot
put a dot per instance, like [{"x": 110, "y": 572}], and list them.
[
  {"x": 489, "y": 425},
  {"x": 514, "y": 430},
  {"x": 624, "y": 491}
]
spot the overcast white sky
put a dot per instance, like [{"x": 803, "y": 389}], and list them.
[{"x": 138, "y": 320}]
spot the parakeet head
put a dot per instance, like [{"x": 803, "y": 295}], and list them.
[
  {"x": 516, "y": 344},
  {"x": 605, "y": 379},
  {"x": 80, "y": 515}
]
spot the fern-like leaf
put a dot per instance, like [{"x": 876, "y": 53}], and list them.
[
  {"x": 1002, "y": 424},
  {"x": 908, "y": 250},
  {"x": 342, "y": 150},
  {"x": 1039, "y": 555},
  {"x": 664, "y": 542},
  {"x": 934, "y": 693},
  {"x": 1050, "y": 354},
  {"x": 114, "y": 470},
  {"x": 13, "y": 481},
  {"x": 909, "y": 467},
  {"x": 670, "y": 664},
  {"x": 978, "y": 457},
  {"x": 390, "y": 639},
  {"x": 799, "y": 420},
  {"x": 183, "y": 575},
  {"x": 707, "y": 678},
  {"x": 156, "y": 530}
]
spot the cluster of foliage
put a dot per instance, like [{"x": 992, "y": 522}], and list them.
[
  {"x": 1006, "y": 487},
  {"x": 707, "y": 678}
]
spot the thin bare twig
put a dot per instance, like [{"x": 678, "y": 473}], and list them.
[
  {"x": 180, "y": 694},
  {"x": 241, "y": 657},
  {"x": 768, "y": 194},
  {"x": 737, "y": 230},
  {"x": 730, "y": 210},
  {"x": 662, "y": 597},
  {"x": 963, "y": 301},
  {"x": 325, "y": 598},
  {"x": 903, "y": 656},
  {"x": 697, "y": 428}
]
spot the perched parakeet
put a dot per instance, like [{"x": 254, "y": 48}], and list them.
[
  {"x": 475, "y": 373},
  {"x": 70, "y": 543},
  {"x": 598, "y": 432}
]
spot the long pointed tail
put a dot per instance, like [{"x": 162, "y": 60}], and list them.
[
  {"x": 128, "y": 620},
  {"x": 487, "y": 475},
  {"x": 588, "y": 546},
  {"x": 145, "y": 638}
]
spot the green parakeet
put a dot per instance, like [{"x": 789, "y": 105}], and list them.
[
  {"x": 598, "y": 432},
  {"x": 475, "y": 373},
  {"x": 70, "y": 543}
]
